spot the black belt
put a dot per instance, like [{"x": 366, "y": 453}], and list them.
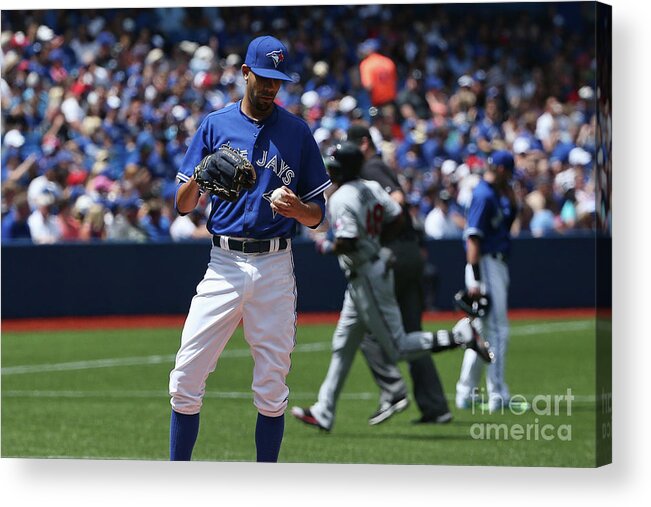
[
  {"x": 250, "y": 246},
  {"x": 499, "y": 256}
]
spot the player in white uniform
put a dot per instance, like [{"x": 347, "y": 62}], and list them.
[
  {"x": 361, "y": 212},
  {"x": 250, "y": 276}
]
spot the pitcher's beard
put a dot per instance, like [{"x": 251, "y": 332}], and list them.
[
  {"x": 263, "y": 105},
  {"x": 259, "y": 109}
]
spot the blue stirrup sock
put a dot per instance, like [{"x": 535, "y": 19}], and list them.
[
  {"x": 183, "y": 434},
  {"x": 268, "y": 437}
]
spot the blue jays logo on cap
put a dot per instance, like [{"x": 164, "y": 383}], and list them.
[
  {"x": 277, "y": 56},
  {"x": 266, "y": 57}
]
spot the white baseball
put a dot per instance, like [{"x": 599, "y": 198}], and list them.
[{"x": 276, "y": 194}]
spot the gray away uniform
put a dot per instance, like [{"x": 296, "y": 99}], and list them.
[{"x": 359, "y": 209}]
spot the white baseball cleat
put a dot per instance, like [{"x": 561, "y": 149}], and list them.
[{"x": 304, "y": 414}]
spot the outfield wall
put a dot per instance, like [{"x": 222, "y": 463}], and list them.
[{"x": 160, "y": 278}]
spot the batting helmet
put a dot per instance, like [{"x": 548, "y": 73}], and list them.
[{"x": 345, "y": 162}]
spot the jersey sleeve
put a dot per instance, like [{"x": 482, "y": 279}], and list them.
[
  {"x": 477, "y": 220},
  {"x": 388, "y": 180},
  {"x": 391, "y": 208},
  {"x": 378, "y": 171},
  {"x": 313, "y": 177}
]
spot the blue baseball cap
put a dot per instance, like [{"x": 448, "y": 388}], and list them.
[
  {"x": 503, "y": 158},
  {"x": 267, "y": 57}
]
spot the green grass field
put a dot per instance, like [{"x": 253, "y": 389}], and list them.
[{"x": 103, "y": 394}]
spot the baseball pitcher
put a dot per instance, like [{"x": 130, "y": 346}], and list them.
[{"x": 265, "y": 173}]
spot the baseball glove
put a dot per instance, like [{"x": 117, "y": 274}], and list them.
[
  {"x": 473, "y": 306},
  {"x": 225, "y": 173}
]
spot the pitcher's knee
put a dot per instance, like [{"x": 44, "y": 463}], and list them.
[
  {"x": 271, "y": 404},
  {"x": 186, "y": 398},
  {"x": 184, "y": 404}
]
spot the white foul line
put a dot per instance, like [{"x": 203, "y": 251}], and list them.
[
  {"x": 136, "y": 361},
  {"x": 551, "y": 327},
  {"x": 86, "y": 365},
  {"x": 524, "y": 330},
  {"x": 235, "y": 395}
]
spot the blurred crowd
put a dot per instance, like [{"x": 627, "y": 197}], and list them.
[{"x": 98, "y": 107}]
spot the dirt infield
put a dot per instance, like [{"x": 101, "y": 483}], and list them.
[{"x": 176, "y": 321}]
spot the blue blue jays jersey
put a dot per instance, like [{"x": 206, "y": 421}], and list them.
[
  {"x": 490, "y": 217},
  {"x": 282, "y": 151}
]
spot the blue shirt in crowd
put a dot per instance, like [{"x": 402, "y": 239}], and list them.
[{"x": 12, "y": 228}]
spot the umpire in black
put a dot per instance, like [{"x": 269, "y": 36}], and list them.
[{"x": 408, "y": 275}]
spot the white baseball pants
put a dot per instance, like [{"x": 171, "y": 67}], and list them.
[
  {"x": 258, "y": 290},
  {"x": 495, "y": 274}
]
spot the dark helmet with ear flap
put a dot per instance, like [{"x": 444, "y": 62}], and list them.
[{"x": 345, "y": 162}]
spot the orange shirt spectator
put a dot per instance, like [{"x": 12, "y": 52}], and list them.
[{"x": 379, "y": 77}]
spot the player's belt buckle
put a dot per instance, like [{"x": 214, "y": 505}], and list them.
[{"x": 499, "y": 256}]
